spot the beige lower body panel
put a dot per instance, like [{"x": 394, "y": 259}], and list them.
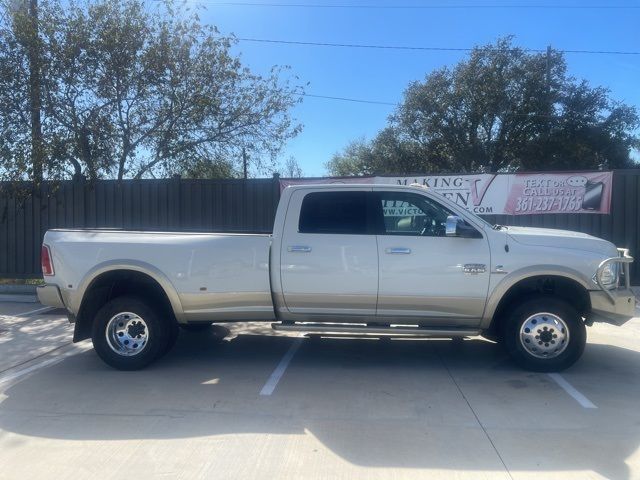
[
  {"x": 328, "y": 304},
  {"x": 451, "y": 311},
  {"x": 50, "y": 295},
  {"x": 222, "y": 307}
]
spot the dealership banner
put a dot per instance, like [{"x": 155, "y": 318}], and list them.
[{"x": 506, "y": 194}]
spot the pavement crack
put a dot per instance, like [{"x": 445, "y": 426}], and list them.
[
  {"x": 43, "y": 354},
  {"x": 495, "y": 449}
]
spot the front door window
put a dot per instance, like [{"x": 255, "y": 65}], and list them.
[{"x": 411, "y": 214}]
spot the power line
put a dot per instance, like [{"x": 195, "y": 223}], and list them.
[
  {"x": 346, "y": 99},
  {"x": 378, "y": 102},
  {"x": 425, "y": 7},
  {"x": 428, "y": 49},
  {"x": 352, "y": 45}
]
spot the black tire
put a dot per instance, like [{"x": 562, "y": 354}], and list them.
[
  {"x": 196, "y": 327},
  {"x": 556, "y": 347},
  {"x": 173, "y": 333},
  {"x": 155, "y": 332}
]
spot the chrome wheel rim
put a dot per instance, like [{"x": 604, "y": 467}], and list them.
[
  {"x": 544, "y": 335},
  {"x": 127, "y": 334}
]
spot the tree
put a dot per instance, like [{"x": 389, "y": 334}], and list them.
[
  {"x": 210, "y": 168},
  {"x": 20, "y": 80},
  {"x": 355, "y": 159},
  {"x": 15, "y": 123},
  {"x": 292, "y": 169},
  {"x": 502, "y": 109},
  {"x": 387, "y": 152},
  {"x": 133, "y": 91}
]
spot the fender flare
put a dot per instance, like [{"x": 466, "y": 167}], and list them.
[
  {"x": 511, "y": 279},
  {"x": 134, "y": 265}
]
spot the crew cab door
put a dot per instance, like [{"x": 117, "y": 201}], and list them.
[
  {"x": 424, "y": 274},
  {"x": 328, "y": 254}
]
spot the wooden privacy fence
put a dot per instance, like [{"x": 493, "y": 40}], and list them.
[{"x": 227, "y": 205}]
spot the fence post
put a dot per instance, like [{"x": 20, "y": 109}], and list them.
[
  {"x": 276, "y": 192},
  {"x": 79, "y": 197},
  {"x": 244, "y": 214},
  {"x": 276, "y": 196},
  {"x": 175, "y": 202}
]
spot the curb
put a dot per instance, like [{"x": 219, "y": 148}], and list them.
[
  {"x": 18, "y": 298},
  {"x": 18, "y": 289}
]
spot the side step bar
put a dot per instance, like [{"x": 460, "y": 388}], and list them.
[{"x": 360, "y": 329}]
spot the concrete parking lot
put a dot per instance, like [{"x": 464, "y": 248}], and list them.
[{"x": 243, "y": 402}]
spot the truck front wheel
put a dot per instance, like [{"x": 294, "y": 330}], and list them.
[
  {"x": 128, "y": 334},
  {"x": 544, "y": 334}
]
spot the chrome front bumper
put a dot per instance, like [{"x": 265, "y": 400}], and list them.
[
  {"x": 625, "y": 260},
  {"x": 616, "y": 305},
  {"x": 50, "y": 295}
]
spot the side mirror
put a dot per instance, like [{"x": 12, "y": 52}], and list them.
[{"x": 457, "y": 227}]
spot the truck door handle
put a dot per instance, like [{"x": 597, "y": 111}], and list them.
[
  {"x": 398, "y": 250},
  {"x": 299, "y": 248}
]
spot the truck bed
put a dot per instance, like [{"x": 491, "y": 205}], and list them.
[{"x": 217, "y": 276}]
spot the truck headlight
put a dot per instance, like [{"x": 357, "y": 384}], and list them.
[{"x": 609, "y": 276}]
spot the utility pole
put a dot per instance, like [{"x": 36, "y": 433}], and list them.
[
  {"x": 35, "y": 98},
  {"x": 244, "y": 163},
  {"x": 549, "y": 72},
  {"x": 549, "y": 99}
]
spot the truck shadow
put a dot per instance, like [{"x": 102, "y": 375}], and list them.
[{"x": 378, "y": 403}]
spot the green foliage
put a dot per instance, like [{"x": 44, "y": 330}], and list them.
[
  {"x": 355, "y": 159},
  {"x": 502, "y": 109},
  {"x": 209, "y": 169},
  {"x": 15, "y": 123},
  {"x": 132, "y": 89},
  {"x": 291, "y": 169}
]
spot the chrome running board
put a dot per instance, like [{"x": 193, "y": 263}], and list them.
[{"x": 362, "y": 329}]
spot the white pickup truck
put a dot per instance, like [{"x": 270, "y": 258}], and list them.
[{"x": 353, "y": 259}]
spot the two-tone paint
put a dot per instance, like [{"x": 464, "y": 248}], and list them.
[{"x": 292, "y": 276}]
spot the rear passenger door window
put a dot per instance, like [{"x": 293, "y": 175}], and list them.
[{"x": 334, "y": 213}]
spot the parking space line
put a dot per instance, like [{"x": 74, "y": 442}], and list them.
[
  {"x": 571, "y": 390},
  {"x": 277, "y": 374}
]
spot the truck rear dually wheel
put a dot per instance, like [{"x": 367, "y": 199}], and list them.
[
  {"x": 544, "y": 334},
  {"x": 128, "y": 334}
]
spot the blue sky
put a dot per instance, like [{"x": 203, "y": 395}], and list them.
[{"x": 383, "y": 75}]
